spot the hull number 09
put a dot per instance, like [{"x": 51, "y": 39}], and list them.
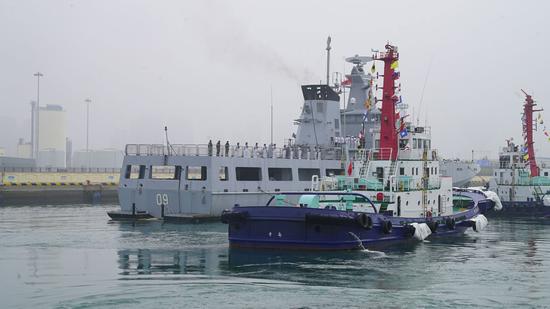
[{"x": 162, "y": 199}]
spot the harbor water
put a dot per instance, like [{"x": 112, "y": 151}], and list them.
[{"x": 75, "y": 257}]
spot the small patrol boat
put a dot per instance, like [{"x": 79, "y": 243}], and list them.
[{"x": 392, "y": 193}]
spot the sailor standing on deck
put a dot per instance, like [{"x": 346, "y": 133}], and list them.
[
  {"x": 210, "y": 148},
  {"x": 227, "y": 149},
  {"x": 218, "y": 145}
]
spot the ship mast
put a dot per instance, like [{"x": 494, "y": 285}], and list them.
[
  {"x": 388, "y": 131},
  {"x": 328, "y": 60},
  {"x": 528, "y": 132}
]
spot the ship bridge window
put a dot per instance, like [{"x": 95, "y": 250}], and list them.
[
  {"x": 165, "y": 172},
  {"x": 248, "y": 173},
  {"x": 401, "y": 171},
  {"x": 305, "y": 174},
  {"x": 196, "y": 172},
  {"x": 279, "y": 174},
  {"x": 504, "y": 161},
  {"x": 335, "y": 172},
  {"x": 223, "y": 174},
  {"x": 135, "y": 172}
]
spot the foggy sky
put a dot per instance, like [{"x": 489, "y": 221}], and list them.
[{"x": 205, "y": 68}]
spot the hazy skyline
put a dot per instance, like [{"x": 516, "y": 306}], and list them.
[{"x": 205, "y": 68}]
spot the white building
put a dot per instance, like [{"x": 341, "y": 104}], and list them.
[{"x": 51, "y": 137}]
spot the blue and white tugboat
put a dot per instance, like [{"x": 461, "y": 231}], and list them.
[
  {"x": 523, "y": 185},
  {"x": 390, "y": 193}
]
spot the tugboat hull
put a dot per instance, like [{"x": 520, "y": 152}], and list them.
[
  {"x": 318, "y": 229},
  {"x": 525, "y": 209}
]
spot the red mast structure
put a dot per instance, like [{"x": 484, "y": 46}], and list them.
[
  {"x": 388, "y": 132},
  {"x": 528, "y": 132}
]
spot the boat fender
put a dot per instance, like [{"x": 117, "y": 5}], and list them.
[
  {"x": 479, "y": 223},
  {"x": 364, "y": 220},
  {"x": 386, "y": 226},
  {"x": 409, "y": 230},
  {"x": 450, "y": 223},
  {"x": 432, "y": 225},
  {"x": 422, "y": 231}
]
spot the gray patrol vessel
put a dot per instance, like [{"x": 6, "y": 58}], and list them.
[{"x": 194, "y": 182}]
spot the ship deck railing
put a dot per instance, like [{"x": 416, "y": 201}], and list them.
[
  {"x": 236, "y": 151},
  {"x": 525, "y": 180},
  {"x": 393, "y": 184}
]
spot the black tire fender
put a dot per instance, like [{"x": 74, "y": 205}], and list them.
[
  {"x": 387, "y": 226},
  {"x": 432, "y": 225},
  {"x": 364, "y": 220},
  {"x": 450, "y": 223},
  {"x": 409, "y": 230}
]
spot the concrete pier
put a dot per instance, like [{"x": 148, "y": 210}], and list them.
[{"x": 58, "y": 195}]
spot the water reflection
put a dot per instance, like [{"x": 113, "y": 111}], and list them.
[{"x": 150, "y": 262}]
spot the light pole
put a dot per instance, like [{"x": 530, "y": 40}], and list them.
[
  {"x": 88, "y": 101},
  {"x": 37, "y": 126}
]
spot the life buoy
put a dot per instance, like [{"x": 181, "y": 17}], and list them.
[
  {"x": 450, "y": 223},
  {"x": 432, "y": 225},
  {"x": 364, "y": 220},
  {"x": 386, "y": 226},
  {"x": 409, "y": 230}
]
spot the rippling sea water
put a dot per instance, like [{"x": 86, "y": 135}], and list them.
[{"x": 74, "y": 257}]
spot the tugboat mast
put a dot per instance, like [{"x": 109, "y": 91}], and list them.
[
  {"x": 388, "y": 131},
  {"x": 528, "y": 132}
]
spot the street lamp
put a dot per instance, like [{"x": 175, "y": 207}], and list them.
[{"x": 37, "y": 137}]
